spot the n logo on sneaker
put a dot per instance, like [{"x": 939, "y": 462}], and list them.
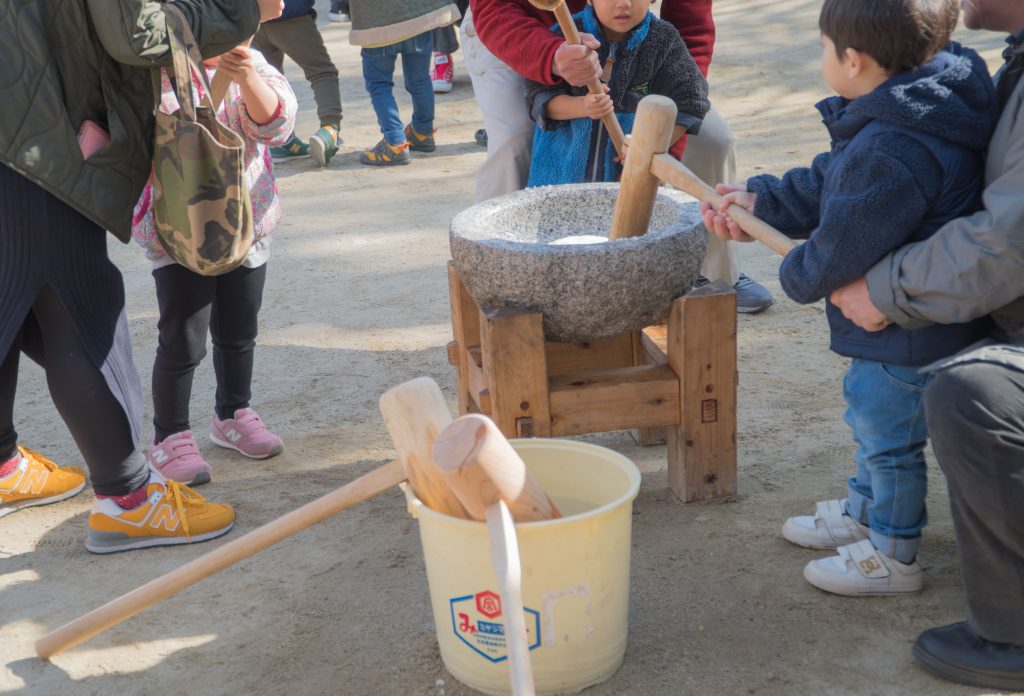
[
  {"x": 160, "y": 457},
  {"x": 34, "y": 480},
  {"x": 233, "y": 435},
  {"x": 165, "y": 517}
]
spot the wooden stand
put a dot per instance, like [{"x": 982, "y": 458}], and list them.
[{"x": 680, "y": 377}]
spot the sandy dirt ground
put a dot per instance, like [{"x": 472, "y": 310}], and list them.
[{"x": 357, "y": 302}]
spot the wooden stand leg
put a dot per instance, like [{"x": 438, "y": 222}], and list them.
[
  {"x": 645, "y": 437},
  {"x": 466, "y": 330},
  {"x": 516, "y": 371},
  {"x": 702, "y": 352}
]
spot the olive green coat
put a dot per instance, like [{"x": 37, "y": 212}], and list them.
[{"x": 62, "y": 63}]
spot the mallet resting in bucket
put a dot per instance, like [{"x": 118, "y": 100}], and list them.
[{"x": 493, "y": 483}]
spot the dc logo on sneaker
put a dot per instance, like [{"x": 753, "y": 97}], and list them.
[{"x": 870, "y": 565}]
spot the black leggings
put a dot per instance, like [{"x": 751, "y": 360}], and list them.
[
  {"x": 95, "y": 418},
  {"x": 190, "y": 304}
]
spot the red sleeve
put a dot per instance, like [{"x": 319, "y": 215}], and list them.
[
  {"x": 519, "y": 35},
  {"x": 693, "y": 20}
]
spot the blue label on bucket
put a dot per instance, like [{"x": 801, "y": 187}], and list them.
[{"x": 477, "y": 621}]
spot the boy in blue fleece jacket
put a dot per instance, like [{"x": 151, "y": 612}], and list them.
[
  {"x": 641, "y": 55},
  {"x": 909, "y": 130}
]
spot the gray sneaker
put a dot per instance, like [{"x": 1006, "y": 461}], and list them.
[{"x": 751, "y": 296}]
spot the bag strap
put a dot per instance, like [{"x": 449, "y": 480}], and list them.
[{"x": 185, "y": 60}]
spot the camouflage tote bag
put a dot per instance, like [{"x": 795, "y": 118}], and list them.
[{"x": 201, "y": 207}]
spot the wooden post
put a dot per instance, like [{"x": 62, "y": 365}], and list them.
[
  {"x": 652, "y": 135},
  {"x": 466, "y": 330},
  {"x": 645, "y": 437},
  {"x": 516, "y": 370},
  {"x": 702, "y": 352}
]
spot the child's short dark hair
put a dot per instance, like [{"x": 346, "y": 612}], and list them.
[{"x": 899, "y": 34}]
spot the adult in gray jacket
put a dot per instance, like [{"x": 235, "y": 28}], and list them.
[
  {"x": 84, "y": 68},
  {"x": 971, "y": 267}
]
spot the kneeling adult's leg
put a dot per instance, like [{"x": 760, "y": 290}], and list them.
[
  {"x": 711, "y": 155},
  {"x": 501, "y": 94},
  {"x": 975, "y": 415}
]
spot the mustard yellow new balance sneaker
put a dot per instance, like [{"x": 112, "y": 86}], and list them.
[
  {"x": 172, "y": 514},
  {"x": 37, "y": 481}
]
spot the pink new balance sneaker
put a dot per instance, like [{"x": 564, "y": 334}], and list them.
[
  {"x": 177, "y": 458},
  {"x": 247, "y": 434}
]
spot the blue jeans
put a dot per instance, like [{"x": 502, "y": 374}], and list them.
[
  {"x": 378, "y": 74},
  {"x": 885, "y": 410}
]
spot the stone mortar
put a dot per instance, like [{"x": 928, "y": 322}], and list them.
[{"x": 502, "y": 250}]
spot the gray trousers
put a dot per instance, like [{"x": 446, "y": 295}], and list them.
[
  {"x": 299, "y": 39},
  {"x": 975, "y": 413}
]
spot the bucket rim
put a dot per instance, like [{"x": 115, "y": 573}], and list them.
[{"x": 417, "y": 507}]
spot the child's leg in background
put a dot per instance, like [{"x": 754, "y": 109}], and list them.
[
  {"x": 300, "y": 39},
  {"x": 885, "y": 410},
  {"x": 233, "y": 326},
  {"x": 378, "y": 75},
  {"x": 416, "y": 53},
  {"x": 185, "y": 300}
]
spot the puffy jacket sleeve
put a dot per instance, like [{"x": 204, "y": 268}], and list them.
[
  {"x": 792, "y": 203},
  {"x": 881, "y": 205},
  {"x": 970, "y": 266},
  {"x": 135, "y": 31}
]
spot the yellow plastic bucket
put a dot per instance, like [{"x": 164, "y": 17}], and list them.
[{"x": 575, "y": 575}]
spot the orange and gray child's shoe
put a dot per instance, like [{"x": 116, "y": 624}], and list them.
[
  {"x": 418, "y": 141},
  {"x": 160, "y": 513},
  {"x": 29, "y": 479},
  {"x": 384, "y": 154}
]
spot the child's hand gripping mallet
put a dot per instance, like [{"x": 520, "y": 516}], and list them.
[
  {"x": 572, "y": 37},
  {"x": 220, "y": 82},
  {"x": 415, "y": 413},
  {"x": 648, "y": 164},
  {"x": 492, "y": 482}
]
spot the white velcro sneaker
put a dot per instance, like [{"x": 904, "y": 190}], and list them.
[
  {"x": 829, "y": 528},
  {"x": 861, "y": 570}
]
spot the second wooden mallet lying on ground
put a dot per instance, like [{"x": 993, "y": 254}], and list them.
[{"x": 415, "y": 412}]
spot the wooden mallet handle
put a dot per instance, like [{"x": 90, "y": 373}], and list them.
[
  {"x": 572, "y": 36},
  {"x": 505, "y": 558},
  {"x": 481, "y": 467},
  {"x": 116, "y": 611},
  {"x": 668, "y": 168}
]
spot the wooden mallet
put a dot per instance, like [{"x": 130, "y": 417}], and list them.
[
  {"x": 572, "y": 37},
  {"x": 648, "y": 164},
  {"x": 421, "y": 407},
  {"x": 492, "y": 482}
]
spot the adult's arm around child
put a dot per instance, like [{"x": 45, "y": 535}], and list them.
[
  {"x": 970, "y": 266},
  {"x": 878, "y": 204}
]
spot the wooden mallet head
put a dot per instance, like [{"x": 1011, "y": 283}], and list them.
[
  {"x": 481, "y": 467},
  {"x": 414, "y": 413}
]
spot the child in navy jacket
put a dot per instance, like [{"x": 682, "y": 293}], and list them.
[{"x": 909, "y": 130}]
